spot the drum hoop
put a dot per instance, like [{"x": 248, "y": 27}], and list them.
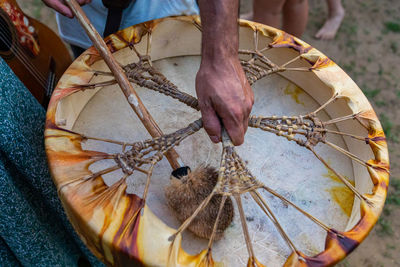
[{"x": 325, "y": 69}]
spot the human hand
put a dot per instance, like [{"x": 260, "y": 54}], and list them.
[
  {"x": 61, "y": 7},
  {"x": 224, "y": 95}
]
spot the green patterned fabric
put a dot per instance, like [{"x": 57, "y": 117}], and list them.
[{"x": 34, "y": 230}]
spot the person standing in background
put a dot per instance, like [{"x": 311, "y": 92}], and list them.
[
  {"x": 288, "y": 15},
  {"x": 332, "y": 24},
  {"x": 292, "y": 16}
]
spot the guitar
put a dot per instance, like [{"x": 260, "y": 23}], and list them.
[{"x": 34, "y": 52}]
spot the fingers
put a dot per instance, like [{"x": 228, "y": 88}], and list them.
[
  {"x": 236, "y": 122},
  {"x": 225, "y": 98},
  {"x": 248, "y": 105},
  {"x": 235, "y": 129},
  {"x": 211, "y": 122},
  {"x": 84, "y": 2},
  {"x": 62, "y": 8}
]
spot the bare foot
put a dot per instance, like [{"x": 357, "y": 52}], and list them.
[{"x": 331, "y": 26}]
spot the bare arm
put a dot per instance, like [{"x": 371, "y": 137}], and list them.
[
  {"x": 61, "y": 7},
  {"x": 221, "y": 85}
]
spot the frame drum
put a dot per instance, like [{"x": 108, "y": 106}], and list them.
[{"x": 323, "y": 198}]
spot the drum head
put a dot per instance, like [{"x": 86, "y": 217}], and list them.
[{"x": 321, "y": 199}]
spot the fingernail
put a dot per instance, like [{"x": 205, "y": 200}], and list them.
[{"x": 214, "y": 138}]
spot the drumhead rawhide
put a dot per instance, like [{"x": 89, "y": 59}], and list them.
[{"x": 315, "y": 152}]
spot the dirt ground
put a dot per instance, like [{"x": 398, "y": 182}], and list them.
[{"x": 367, "y": 47}]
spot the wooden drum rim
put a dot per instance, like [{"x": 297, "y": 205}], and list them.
[{"x": 68, "y": 162}]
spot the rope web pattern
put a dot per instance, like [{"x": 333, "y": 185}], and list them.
[{"x": 234, "y": 178}]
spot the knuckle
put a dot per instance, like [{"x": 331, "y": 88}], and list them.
[
  {"x": 237, "y": 113},
  {"x": 205, "y": 106}
]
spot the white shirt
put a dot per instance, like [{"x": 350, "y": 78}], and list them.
[{"x": 140, "y": 11}]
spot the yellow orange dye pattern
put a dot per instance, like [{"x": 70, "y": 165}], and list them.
[
  {"x": 126, "y": 239},
  {"x": 341, "y": 194},
  {"x": 294, "y": 91}
]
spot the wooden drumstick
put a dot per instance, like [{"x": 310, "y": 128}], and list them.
[{"x": 120, "y": 76}]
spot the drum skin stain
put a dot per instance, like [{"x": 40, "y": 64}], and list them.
[
  {"x": 185, "y": 194},
  {"x": 64, "y": 151},
  {"x": 294, "y": 91},
  {"x": 341, "y": 194},
  {"x": 249, "y": 218},
  {"x": 344, "y": 197}
]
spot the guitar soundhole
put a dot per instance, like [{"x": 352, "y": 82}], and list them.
[{"x": 7, "y": 36}]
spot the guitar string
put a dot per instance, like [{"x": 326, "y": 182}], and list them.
[
  {"x": 31, "y": 68},
  {"x": 24, "y": 60},
  {"x": 20, "y": 54},
  {"x": 23, "y": 57}
]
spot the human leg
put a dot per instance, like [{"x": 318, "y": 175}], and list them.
[
  {"x": 332, "y": 24},
  {"x": 268, "y": 12},
  {"x": 295, "y": 16}
]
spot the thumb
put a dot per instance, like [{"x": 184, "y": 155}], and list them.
[{"x": 211, "y": 123}]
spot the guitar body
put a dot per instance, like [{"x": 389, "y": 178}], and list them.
[{"x": 34, "y": 52}]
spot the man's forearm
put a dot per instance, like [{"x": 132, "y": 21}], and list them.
[
  {"x": 220, "y": 30},
  {"x": 225, "y": 96}
]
